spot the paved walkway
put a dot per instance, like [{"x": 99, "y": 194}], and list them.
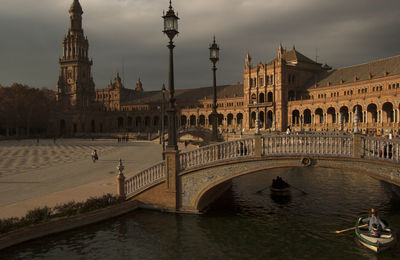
[
  {"x": 41, "y": 174},
  {"x": 46, "y": 173}
]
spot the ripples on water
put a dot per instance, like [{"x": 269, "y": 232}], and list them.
[{"x": 245, "y": 223}]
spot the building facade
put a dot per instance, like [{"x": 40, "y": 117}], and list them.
[{"x": 290, "y": 90}]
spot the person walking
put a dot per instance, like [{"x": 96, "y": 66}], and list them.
[{"x": 95, "y": 157}]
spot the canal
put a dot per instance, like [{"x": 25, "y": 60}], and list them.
[{"x": 245, "y": 223}]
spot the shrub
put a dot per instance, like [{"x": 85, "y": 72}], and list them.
[
  {"x": 9, "y": 224},
  {"x": 40, "y": 215},
  {"x": 37, "y": 215}
]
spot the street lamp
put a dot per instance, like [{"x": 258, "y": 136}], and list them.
[
  {"x": 162, "y": 117},
  {"x": 171, "y": 29},
  {"x": 214, "y": 57}
]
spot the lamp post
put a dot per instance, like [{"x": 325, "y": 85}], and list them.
[
  {"x": 214, "y": 57},
  {"x": 171, "y": 29},
  {"x": 162, "y": 140}
]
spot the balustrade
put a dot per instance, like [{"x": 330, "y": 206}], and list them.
[
  {"x": 313, "y": 144},
  {"x": 144, "y": 178},
  {"x": 308, "y": 144},
  {"x": 380, "y": 149},
  {"x": 217, "y": 152}
]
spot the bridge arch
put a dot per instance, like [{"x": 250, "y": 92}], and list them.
[
  {"x": 206, "y": 169},
  {"x": 200, "y": 194}
]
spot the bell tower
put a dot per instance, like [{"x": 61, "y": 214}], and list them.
[{"x": 75, "y": 87}]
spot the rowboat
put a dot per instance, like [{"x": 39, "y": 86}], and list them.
[
  {"x": 376, "y": 243},
  {"x": 280, "y": 191}
]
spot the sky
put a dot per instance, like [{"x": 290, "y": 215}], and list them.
[{"x": 126, "y": 36}]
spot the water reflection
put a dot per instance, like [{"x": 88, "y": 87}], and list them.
[{"x": 243, "y": 223}]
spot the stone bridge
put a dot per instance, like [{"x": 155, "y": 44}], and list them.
[{"x": 188, "y": 182}]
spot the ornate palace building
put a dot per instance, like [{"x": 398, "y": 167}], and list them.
[{"x": 290, "y": 90}]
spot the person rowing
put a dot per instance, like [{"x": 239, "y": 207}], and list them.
[{"x": 376, "y": 225}]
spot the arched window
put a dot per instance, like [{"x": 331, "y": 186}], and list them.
[
  {"x": 270, "y": 97},
  {"x": 261, "y": 98}
]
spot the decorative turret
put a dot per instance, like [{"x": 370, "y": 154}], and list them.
[
  {"x": 118, "y": 82},
  {"x": 280, "y": 51},
  {"x": 139, "y": 86},
  {"x": 248, "y": 60}
]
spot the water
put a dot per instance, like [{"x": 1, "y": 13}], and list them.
[{"x": 243, "y": 224}]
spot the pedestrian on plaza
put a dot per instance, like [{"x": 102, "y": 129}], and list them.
[{"x": 95, "y": 157}]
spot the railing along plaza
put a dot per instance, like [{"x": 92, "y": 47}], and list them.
[{"x": 304, "y": 144}]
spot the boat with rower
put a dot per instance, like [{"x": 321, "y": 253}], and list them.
[
  {"x": 374, "y": 241},
  {"x": 280, "y": 187}
]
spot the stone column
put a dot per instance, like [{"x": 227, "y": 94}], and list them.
[
  {"x": 258, "y": 146},
  {"x": 120, "y": 180},
  {"x": 357, "y": 145},
  {"x": 172, "y": 169}
]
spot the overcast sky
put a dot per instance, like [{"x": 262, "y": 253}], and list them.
[{"x": 126, "y": 36}]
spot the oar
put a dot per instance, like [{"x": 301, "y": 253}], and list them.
[
  {"x": 347, "y": 229},
  {"x": 305, "y": 193},
  {"x": 262, "y": 190}
]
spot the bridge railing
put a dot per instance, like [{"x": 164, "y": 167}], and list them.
[
  {"x": 144, "y": 178},
  {"x": 305, "y": 144},
  {"x": 380, "y": 149},
  {"x": 217, "y": 152}
]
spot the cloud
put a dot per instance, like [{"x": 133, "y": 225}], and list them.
[{"x": 126, "y": 36}]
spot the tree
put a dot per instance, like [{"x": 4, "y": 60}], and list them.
[{"x": 25, "y": 110}]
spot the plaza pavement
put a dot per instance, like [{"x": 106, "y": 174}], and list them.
[{"x": 36, "y": 174}]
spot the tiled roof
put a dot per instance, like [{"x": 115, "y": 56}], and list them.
[
  {"x": 294, "y": 56},
  {"x": 183, "y": 96},
  {"x": 376, "y": 69}
]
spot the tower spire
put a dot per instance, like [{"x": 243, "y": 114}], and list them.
[
  {"x": 76, "y": 7},
  {"x": 76, "y": 87},
  {"x": 75, "y": 14}
]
